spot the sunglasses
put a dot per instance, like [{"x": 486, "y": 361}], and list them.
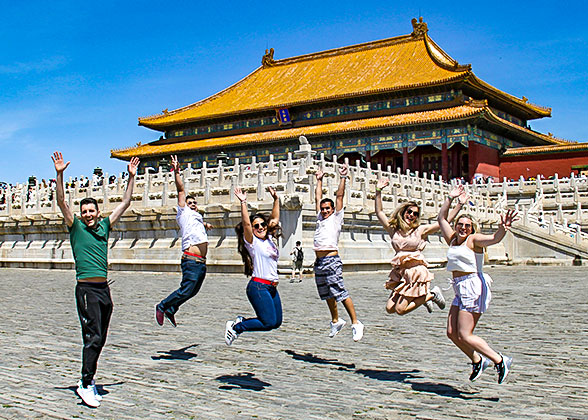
[
  {"x": 464, "y": 225},
  {"x": 260, "y": 225},
  {"x": 326, "y": 208},
  {"x": 414, "y": 213}
]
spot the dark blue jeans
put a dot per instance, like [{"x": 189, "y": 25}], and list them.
[
  {"x": 193, "y": 274},
  {"x": 266, "y": 302}
]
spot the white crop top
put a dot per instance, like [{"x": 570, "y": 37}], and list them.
[
  {"x": 264, "y": 255},
  {"x": 326, "y": 235},
  {"x": 191, "y": 227},
  {"x": 462, "y": 258}
]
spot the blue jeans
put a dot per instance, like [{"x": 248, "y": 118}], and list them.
[
  {"x": 266, "y": 302},
  {"x": 193, "y": 274}
]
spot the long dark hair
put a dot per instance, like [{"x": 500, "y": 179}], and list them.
[{"x": 275, "y": 231}]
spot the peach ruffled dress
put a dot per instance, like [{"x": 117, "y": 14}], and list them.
[{"x": 409, "y": 276}]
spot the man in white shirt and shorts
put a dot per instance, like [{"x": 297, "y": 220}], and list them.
[{"x": 328, "y": 268}]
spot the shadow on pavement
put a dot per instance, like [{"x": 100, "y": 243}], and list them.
[
  {"x": 444, "y": 390},
  {"x": 180, "y": 354},
  {"x": 387, "y": 375},
  {"x": 100, "y": 388},
  {"x": 311, "y": 358},
  {"x": 243, "y": 381}
]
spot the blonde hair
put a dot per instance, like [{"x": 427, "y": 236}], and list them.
[
  {"x": 397, "y": 221},
  {"x": 468, "y": 216}
]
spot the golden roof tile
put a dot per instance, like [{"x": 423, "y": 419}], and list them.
[{"x": 532, "y": 150}]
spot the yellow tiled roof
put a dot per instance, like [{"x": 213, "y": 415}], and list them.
[
  {"x": 531, "y": 150},
  {"x": 447, "y": 114},
  {"x": 390, "y": 64}
]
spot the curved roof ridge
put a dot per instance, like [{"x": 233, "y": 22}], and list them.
[{"x": 441, "y": 58}]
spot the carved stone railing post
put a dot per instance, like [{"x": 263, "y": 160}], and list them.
[
  {"x": 221, "y": 173},
  {"x": 164, "y": 189},
  {"x": 290, "y": 186},
  {"x": 146, "y": 188},
  {"x": 260, "y": 181},
  {"x": 207, "y": 191},
  {"x": 234, "y": 180},
  {"x": 203, "y": 177}
]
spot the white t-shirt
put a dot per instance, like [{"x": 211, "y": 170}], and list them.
[
  {"x": 326, "y": 235},
  {"x": 191, "y": 227},
  {"x": 264, "y": 255}
]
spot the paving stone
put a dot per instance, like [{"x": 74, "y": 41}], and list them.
[{"x": 404, "y": 368}]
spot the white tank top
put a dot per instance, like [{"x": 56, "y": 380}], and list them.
[
  {"x": 462, "y": 258},
  {"x": 264, "y": 255}
]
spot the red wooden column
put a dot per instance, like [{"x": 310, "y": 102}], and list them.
[
  {"x": 444, "y": 162},
  {"x": 404, "y": 159}
]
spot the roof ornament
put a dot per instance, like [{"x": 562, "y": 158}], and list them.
[
  {"x": 419, "y": 28},
  {"x": 165, "y": 111},
  {"x": 268, "y": 58}
]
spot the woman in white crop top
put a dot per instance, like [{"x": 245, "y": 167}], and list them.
[
  {"x": 409, "y": 280},
  {"x": 472, "y": 287},
  {"x": 255, "y": 243}
]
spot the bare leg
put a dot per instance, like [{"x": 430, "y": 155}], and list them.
[
  {"x": 466, "y": 322},
  {"x": 348, "y": 304},
  {"x": 405, "y": 305},
  {"x": 332, "y": 304},
  {"x": 452, "y": 333}
]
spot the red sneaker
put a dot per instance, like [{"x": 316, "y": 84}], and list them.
[{"x": 158, "y": 315}]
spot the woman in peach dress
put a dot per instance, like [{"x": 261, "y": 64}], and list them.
[{"x": 410, "y": 279}]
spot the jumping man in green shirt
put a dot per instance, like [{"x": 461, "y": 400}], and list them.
[{"x": 89, "y": 242}]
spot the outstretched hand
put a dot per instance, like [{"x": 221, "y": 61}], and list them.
[
  {"x": 57, "y": 159},
  {"x": 174, "y": 163},
  {"x": 272, "y": 192},
  {"x": 382, "y": 183},
  {"x": 506, "y": 220},
  {"x": 463, "y": 198},
  {"x": 241, "y": 196},
  {"x": 344, "y": 170},
  {"x": 133, "y": 165},
  {"x": 457, "y": 191},
  {"x": 319, "y": 175}
]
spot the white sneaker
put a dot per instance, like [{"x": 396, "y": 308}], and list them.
[
  {"x": 438, "y": 298},
  {"x": 336, "y": 327},
  {"x": 93, "y": 386},
  {"x": 87, "y": 395},
  {"x": 357, "y": 330},
  {"x": 230, "y": 334}
]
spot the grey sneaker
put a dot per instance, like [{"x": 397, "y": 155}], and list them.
[
  {"x": 503, "y": 368},
  {"x": 438, "y": 298},
  {"x": 429, "y": 306},
  {"x": 336, "y": 327},
  {"x": 478, "y": 368}
]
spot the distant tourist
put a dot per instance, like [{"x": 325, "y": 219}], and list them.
[
  {"x": 297, "y": 261},
  {"x": 409, "y": 280},
  {"x": 194, "y": 250},
  {"x": 465, "y": 259},
  {"x": 255, "y": 243},
  {"x": 328, "y": 267},
  {"x": 88, "y": 236}
]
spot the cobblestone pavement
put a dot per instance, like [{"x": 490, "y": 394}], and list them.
[{"x": 405, "y": 367}]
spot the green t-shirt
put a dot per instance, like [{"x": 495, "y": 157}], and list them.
[{"x": 90, "y": 248}]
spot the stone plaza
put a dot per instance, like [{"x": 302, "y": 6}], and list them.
[{"x": 403, "y": 368}]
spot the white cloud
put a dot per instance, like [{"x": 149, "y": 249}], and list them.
[{"x": 41, "y": 66}]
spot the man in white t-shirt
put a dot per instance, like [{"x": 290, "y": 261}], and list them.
[
  {"x": 328, "y": 268},
  {"x": 194, "y": 247}
]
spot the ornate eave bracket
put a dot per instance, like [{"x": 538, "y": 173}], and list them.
[
  {"x": 268, "y": 58},
  {"x": 419, "y": 28}
]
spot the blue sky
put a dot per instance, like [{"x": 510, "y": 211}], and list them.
[{"x": 75, "y": 76}]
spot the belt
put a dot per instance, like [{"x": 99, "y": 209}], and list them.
[
  {"x": 194, "y": 257},
  {"x": 264, "y": 281}
]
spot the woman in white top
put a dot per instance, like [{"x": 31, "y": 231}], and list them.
[
  {"x": 255, "y": 243},
  {"x": 465, "y": 258}
]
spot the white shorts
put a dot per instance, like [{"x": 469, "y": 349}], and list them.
[{"x": 472, "y": 292}]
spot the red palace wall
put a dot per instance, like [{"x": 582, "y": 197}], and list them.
[
  {"x": 530, "y": 166},
  {"x": 483, "y": 160}
]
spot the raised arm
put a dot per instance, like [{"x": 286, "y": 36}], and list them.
[
  {"x": 444, "y": 225},
  {"x": 128, "y": 195},
  {"x": 179, "y": 182},
  {"x": 318, "y": 192},
  {"x": 275, "y": 216},
  {"x": 434, "y": 227},
  {"x": 382, "y": 183},
  {"x": 60, "y": 167},
  {"x": 506, "y": 221},
  {"x": 344, "y": 173},
  {"x": 247, "y": 229}
]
